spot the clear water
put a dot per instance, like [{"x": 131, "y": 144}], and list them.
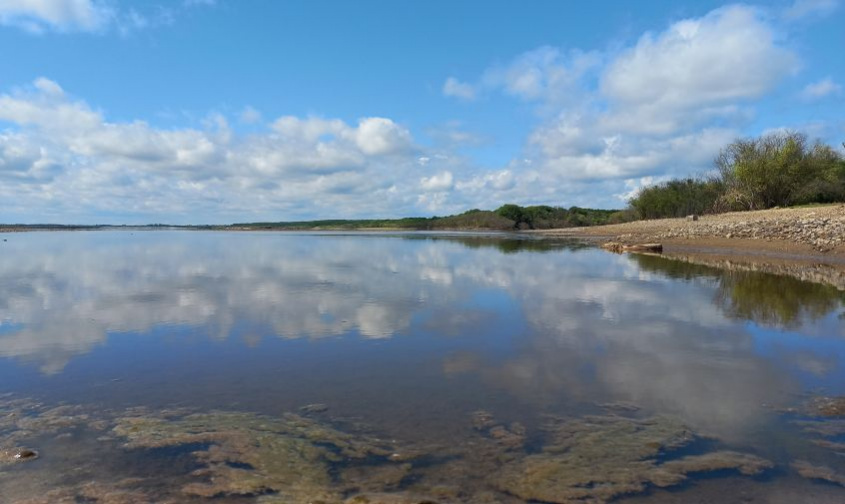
[{"x": 404, "y": 338}]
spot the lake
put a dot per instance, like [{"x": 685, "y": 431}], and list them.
[{"x": 177, "y": 366}]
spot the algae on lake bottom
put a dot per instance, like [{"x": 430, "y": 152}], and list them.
[
  {"x": 598, "y": 458},
  {"x": 296, "y": 459}
]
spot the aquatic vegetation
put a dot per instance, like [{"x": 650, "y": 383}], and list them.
[
  {"x": 828, "y": 407},
  {"x": 839, "y": 448},
  {"x": 826, "y": 428},
  {"x": 511, "y": 437},
  {"x": 389, "y": 498},
  {"x": 248, "y": 454},
  {"x": 293, "y": 458},
  {"x": 808, "y": 470},
  {"x": 96, "y": 492},
  {"x": 595, "y": 459}
]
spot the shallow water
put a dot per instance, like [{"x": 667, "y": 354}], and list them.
[{"x": 625, "y": 361}]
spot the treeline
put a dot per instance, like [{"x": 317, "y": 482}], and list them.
[
  {"x": 505, "y": 218},
  {"x": 549, "y": 217},
  {"x": 779, "y": 169}
]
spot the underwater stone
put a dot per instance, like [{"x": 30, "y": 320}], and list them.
[
  {"x": 26, "y": 454},
  {"x": 313, "y": 408}
]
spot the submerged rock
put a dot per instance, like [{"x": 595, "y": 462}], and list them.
[
  {"x": 26, "y": 454},
  {"x": 313, "y": 408},
  {"x": 15, "y": 455}
]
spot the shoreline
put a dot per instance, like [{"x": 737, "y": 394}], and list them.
[
  {"x": 811, "y": 233},
  {"x": 806, "y": 243}
]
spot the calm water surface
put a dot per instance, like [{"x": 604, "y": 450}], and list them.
[{"x": 174, "y": 367}]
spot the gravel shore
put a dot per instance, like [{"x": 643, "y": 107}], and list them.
[{"x": 817, "y": 232}]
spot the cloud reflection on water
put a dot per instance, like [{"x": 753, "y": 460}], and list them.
[{"x": 596, "y": 326}]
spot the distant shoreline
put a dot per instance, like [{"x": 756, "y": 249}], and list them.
[{"x": 807, "y": 233}]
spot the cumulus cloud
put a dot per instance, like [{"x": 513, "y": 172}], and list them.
[
  {"x": 73, "y": 156},
  {"x": 661, "y": 106},
  {"x": 457, "y": 89},
  {"x": 697, "y": 67},
  {"x": 546, "y": 73},
  {"x": 440, "y": 182},
  {"x": 820, "y": 89},
  {"x": 378, "y": 135}
]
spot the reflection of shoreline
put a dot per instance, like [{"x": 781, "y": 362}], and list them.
[
  {"x": 768, "y": 294},
  {"x": 805, "y": 270}
]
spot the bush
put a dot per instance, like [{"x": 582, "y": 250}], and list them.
[
  {"x": 677, "y": 198},
  {"x": 778, "y": 169}
]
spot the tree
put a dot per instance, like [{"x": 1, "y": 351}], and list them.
[
  {"x": 777, "y": 169},
  {"x": 512, "y": 212}
]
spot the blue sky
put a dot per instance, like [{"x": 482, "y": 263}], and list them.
[{"x": 215, "y": 111}]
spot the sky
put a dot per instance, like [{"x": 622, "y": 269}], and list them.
[{"x": 221, "y": 111}]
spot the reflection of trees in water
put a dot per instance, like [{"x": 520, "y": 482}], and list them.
[
  {"x": 505, "y": 245},
  {"x": 775, "y": 300},
  {"x": 764, "y": 298}
]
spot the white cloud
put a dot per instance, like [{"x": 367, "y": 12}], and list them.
[
  {"x": 93, "y": 16},
  {"x": 48, "y": 87},
  {"x": 820, "y": 89},
  {"x": 440, "y": 182},
  {"x": 61, "y": 15},
  {"x": 500, "y": 180},
  {"x": 457, "y": 89},
  {"x": 545, "y": 73},
  {"x": 378, "y": 135},
  {"x": 725, "y": 57},
  {"x": 662, "y": 106},
  {"x": 801, "y": 9},
  {"x": 62, "y": 154}
]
